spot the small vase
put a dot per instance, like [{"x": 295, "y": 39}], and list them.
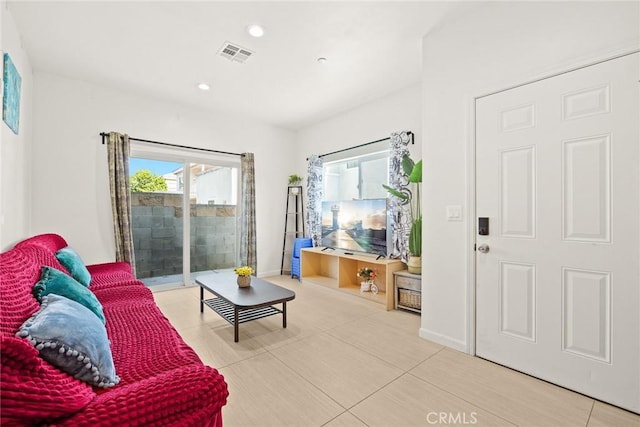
[
  {"x": 365, "y": 286},
  {"x": 244, "y": 281}
]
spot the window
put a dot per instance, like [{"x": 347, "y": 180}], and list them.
[{"x": 359, "y": 177}]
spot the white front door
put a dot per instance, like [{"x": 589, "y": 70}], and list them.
[{"x": 558, "y": 178}]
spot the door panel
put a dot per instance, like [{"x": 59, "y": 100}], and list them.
[
  {"x": 174, "y": 248},
  {"x": 157, "y": 221},
  {"x": 586, "y": 195},
  {"x": 557, "y": 294},
  {"x": 517, "y": 192},
  {"x": 586, "y": 307},
  {"x": 517, "y": 300},
  {"x": 213, "y": 219}
]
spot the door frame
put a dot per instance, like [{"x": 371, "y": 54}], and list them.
[{"x": 471, "y": 99}]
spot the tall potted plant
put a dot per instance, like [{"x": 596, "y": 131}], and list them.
[{"x": 414, "y": 173}]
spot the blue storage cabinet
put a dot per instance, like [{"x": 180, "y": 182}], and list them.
[{"x": 298, "y": 243}]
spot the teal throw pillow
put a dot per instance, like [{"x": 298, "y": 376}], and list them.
[
  {"x": 54, "y": 281},
  {"x": 74, "y": 264},
  {"x": 71, "y": 338}
]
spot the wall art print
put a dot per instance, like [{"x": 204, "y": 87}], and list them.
[{"x": 11, "y": 94}]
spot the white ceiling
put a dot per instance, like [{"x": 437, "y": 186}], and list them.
[{"x": 164, "y": 49}]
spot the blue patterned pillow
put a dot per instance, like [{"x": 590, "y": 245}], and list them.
[
  {"x": 70, "y": 337},
  {"x": 74, "y": 264},
  {"x": 54, "y": 281}
]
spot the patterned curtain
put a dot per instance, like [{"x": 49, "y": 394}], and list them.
[
  {"x": 313, "y": 211},
  {"x": 400, "y": 210},
  {"x": 118, "y": 156},
  {"x": 248, "y": 220}
]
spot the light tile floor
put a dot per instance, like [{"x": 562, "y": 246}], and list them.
[{"x": 345, "y": 361}]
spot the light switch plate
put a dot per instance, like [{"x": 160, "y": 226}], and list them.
[{"x": 454, "y": 213}]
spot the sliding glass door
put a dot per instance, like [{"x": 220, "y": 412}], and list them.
[
  {"x": 184, "y": 216},
  {"x": 156, "y": 218},
  {"x": 213, "y": 237}
]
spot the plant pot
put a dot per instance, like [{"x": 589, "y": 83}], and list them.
[
  {"x": 244, "y": 281},
  {"x": 414, "y": 265},
  {"x": 365, "y": 286},
  {"x": 294, "y": 190}
]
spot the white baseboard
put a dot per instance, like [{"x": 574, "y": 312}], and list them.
[
  {"x": 443, "y": 340},
  {"x": 268, "y": 273}
]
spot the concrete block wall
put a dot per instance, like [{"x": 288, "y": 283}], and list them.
[{"x": 158, "y": 235}]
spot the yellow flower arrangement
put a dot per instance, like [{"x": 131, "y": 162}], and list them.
[{"x": 245, "y": 270}]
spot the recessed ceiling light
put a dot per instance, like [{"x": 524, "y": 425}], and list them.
[
  {"x": 322, "y": 60},
  {"x": 204, "y": 86},
  {"x": 255, "y": 30}
]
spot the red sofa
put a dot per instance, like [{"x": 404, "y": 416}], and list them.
[{"x": 162, "y": 380}]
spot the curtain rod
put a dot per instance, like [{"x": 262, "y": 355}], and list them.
[
  {"x": 363, "y": 145},
  {"x": 105, "y": 134}
]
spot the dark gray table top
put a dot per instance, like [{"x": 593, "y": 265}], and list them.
[{"x": 261, "y": 292}]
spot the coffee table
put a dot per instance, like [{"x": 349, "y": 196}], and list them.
[{"x": 238, "y": 305}]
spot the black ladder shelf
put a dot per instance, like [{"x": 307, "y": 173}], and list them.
[{"x": 293, "y": 225}]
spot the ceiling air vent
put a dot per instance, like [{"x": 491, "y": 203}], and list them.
[{"x": 233, "y": 52}]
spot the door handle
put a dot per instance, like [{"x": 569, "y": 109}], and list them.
[{"x": 483, "y": 248}]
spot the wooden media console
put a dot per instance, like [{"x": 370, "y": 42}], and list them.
[{"x": 337, "y": 269}]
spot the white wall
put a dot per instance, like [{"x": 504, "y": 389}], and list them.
[
  {"x": 372, "y": 121},
  {"x": 15, "y": 162},
  {"x": 70, "y": 183},
  {"x": 499, "y": 45}
]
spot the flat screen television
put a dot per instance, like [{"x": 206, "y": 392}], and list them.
[{"x": 356, "y": 225}]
